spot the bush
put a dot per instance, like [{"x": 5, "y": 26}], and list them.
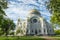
[{"x": 57, "y": 32}]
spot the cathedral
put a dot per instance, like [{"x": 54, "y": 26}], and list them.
[{"x": 35, "y": 24}]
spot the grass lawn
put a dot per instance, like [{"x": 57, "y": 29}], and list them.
[
  {"x": 30, "y": 38},
  {"x": 21, "y": 38},
  {"x": 55, "y": 37}
]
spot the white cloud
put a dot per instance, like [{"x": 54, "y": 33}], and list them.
[
  {"x": 46, "y": 13},
  {"x": 20, "y": 9}
]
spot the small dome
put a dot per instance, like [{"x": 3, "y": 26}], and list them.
[{"x": 34, "y": 11}]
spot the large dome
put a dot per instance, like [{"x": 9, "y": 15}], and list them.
[{"x": 34, "y": 11}]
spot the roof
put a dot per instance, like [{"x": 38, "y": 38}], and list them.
[{"x": 34, "y": 11}]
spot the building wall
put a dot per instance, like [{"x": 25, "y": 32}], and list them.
[
  {"x": 35, "y": 24},
  {"x": 42, "y": 27}
]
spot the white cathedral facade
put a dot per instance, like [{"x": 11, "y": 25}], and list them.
[{"x": 35, "y": 24}]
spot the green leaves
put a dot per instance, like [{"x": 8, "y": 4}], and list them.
[
  {"x": 5, "y": 23},
  {"x": 57, "y": 32},
  {"x": 54, "y": 5},
  {"x": 1, "y": 11},
  {"x": 3, "y": 3}
]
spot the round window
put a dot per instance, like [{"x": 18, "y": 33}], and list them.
[{"x": 34, "y": 20}]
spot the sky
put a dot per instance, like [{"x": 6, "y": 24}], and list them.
[{"x": 20, "y": 8}]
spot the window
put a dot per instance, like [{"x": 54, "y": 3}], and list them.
[
  {"x": 44, "y": 30},
  {"x": 50, "y": 30},
  {"x": 35, "y": 31},
  {"x": 27, "y": 31},
  {"x": 32, "y": 30},
  {"x": 39, "y": 30},
  {"x": 34, "y": 20}
]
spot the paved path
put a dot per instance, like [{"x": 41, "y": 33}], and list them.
[{"x": 48, "y": 38}]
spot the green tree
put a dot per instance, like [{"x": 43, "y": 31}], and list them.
[
  {"x": 57, "y": 32},
  {"x": 3, "y": 5},
  {"x": 7, "y": 25},
  {"x": 54, "y": 8}
]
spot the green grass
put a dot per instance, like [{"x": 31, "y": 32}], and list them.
[
  {"x": 55, "y": 37},
  {"x": 21, "y": 38},
  {"x": 29, "y": 37}
]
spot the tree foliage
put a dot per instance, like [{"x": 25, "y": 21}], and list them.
[
  {"x": 6, "y": 24},
  {"x": 54, "y": 8},
  {"x": 3, "y": 5},
  {"x": 57, "y": 32}
]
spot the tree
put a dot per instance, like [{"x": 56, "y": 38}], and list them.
[
  {"x": 7, "y": 26},
  {"x": 54, "y": 8},
  {"x": 57, "y": 32},
  {"x": 3, "y": 5}
]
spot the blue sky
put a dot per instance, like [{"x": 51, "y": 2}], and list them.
[{"x": 20, "y": 8}]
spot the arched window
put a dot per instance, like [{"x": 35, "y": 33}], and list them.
[
  {"x": 32, "y": 30},
  {"x": 34, "y": 20},
  {"x": 39, "y": 30},
  {"x": 44, "y": 30},
  {"x": 35, "y": 31},
  {"x": 27, "y": 31}
]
